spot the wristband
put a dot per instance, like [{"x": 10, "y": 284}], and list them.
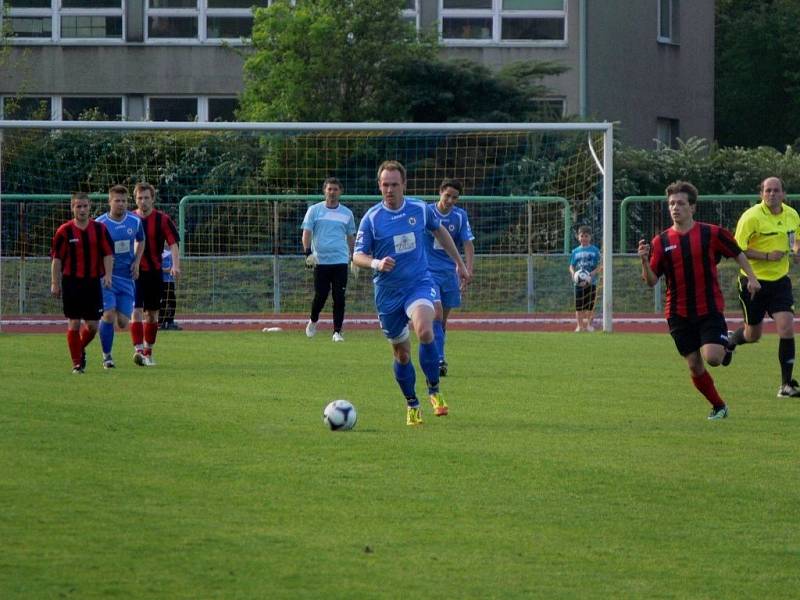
[
  {"x": 375, "y": 264},
  {"x": 307, "y": 251}
]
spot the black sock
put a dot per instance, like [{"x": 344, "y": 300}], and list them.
[{"x": 786, "y": 358}]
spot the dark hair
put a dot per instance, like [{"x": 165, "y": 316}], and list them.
[
  {"x": 392, "y": 165},
  {"x": 584, "y": 229},
  {"x": 78, "y": 196},
  {"x": 143, "y": 185},
  {"x": 453, "y": 183},
  {"x": 683, "y": 187},
  {"x": 118, "y": 189},
  {"x": 332, "y": 181}
]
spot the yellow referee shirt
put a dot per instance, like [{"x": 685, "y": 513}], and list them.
[{"x": 759, "y": 229}]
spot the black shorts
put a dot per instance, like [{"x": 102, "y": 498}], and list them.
[
  {"x": 691, "y": 334},
  {"x": 148, "y": 290},
  {"x": 773, "y": 297},
  {"x": 82, "y": 298},
  {"x": 585, "y": 297}
]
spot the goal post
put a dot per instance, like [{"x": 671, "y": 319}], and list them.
[{"x": 238, "y": 192}]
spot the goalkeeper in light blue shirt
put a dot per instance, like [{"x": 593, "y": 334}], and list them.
[
  {"x": 328, "y": 235},
  {"x": 390, "y": 240},
  {"x": 585, "y": 258},
  {"x": 441, "y": 266}
]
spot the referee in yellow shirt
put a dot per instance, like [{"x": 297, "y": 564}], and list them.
[{"x": 768, "y": 233}]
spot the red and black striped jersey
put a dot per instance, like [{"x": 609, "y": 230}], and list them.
[
  {"x": 688, "y": 262},
  {"x": 81, "y": 251},
  {"x": 158, "y": 228}
]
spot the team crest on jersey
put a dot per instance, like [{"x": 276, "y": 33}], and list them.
[
  {"x": 451, "y": 227},
  {"x": 130, "y": 231},
  {"x": 412, "y": 221}
]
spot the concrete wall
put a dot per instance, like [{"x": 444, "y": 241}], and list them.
[{"x": 634, "y": 79}]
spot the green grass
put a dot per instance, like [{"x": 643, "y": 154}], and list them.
[{"x": 570, "y": 466}]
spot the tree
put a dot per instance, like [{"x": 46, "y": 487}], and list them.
[
  {"x": 358, "y": 60},
  {"x": 758, "y": 73},
  {"x": 326, "y": 60}
]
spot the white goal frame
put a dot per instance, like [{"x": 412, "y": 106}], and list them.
[{"x": 605, "y": 166}]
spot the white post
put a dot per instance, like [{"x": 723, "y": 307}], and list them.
[{"x": 608, "y": 228}]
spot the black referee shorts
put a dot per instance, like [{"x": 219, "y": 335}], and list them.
[
  {"x": 773, "y": 297},
  {"x": 148, "y": 290},
  {"x": 690, "y": 335},
  {"x": 82, "y": 298}
]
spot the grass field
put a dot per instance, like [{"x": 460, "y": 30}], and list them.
[{"x": 571, "y": 466}]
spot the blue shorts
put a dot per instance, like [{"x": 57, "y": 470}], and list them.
[
  {"x": 395, "y": 304},
  {"x": 121, "y": 295},
  {"x": 449, "y": 288}
]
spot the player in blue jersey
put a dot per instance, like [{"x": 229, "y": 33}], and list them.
[
  {"x": 328, "y": 234},
  {"x": 390, "y": 240},
  {"x": 585, "y": 257},
  {"x": 128, "y": 236},
  {"x": 441, "y": 266}
]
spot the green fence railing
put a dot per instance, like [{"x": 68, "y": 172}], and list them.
[{"x": 624, "y": 215}]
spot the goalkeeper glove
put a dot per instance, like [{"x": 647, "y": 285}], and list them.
[{"x": 311, "y": 260}]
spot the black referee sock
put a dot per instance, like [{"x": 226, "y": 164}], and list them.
[{"x": 786, "y": 358}]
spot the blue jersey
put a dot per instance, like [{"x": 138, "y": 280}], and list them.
[
  {"x": 586, "y": 259},
  {"x": 457, "y": 223},
  {"x": 166, "y": 267},
  {"x": 124, "y": 233},
  {"x": 329, "y": 228},
  {"x": 400, "y": 234}
]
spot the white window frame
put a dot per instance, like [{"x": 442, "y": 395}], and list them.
[
  {"x": 496, "y": 13},
  {"x": 672, "y": 37},
  {"x": 202, "y": 107},
  {"x": 201, "y": 12},
  {"x": 412, "y": 13},
  {"x": 54, "y": 100},
  {"x": 56, "y": 11},
  {"x": 59, "y": 114}
]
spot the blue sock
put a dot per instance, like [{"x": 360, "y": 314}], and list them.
[
  {"x": 106, "y": 336},
  {"x": 438, "y": 338},
  {"x": 429, "y": 361},
  {"x": 407, "y": 380}
]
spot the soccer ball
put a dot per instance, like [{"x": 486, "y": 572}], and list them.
[
  {"x": 582, "y": 278},
  {"x": 339, "y": 415}
]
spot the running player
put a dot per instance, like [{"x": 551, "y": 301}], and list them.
[{"x": 390, "y": 241}]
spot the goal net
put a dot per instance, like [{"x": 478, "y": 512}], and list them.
[{"x": 238, "y": 192}]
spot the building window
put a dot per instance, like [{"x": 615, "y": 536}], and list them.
[
  {"x": 480, "y": 22},
  {"x": 667, "y": 132},
  {"x": 84, "y": 108},
  {"x": 550, "y": 109},
  {"x": 668, "y": 19},
  {"x": 411, "y": 12},
  {"x": 172, "y": 109},
  {"x": 222, "y": 109},
  {"x": 26, "y": 108},
  {"x": 201, "y": 20},
  {"x": 65, "y": 20}
]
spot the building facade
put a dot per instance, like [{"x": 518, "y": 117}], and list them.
[{"x": 648, "y": 64}]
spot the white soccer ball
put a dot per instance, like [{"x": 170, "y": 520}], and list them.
[
  {"x": 582, "y": 278},
  {"x": 339, "y": 415}
]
